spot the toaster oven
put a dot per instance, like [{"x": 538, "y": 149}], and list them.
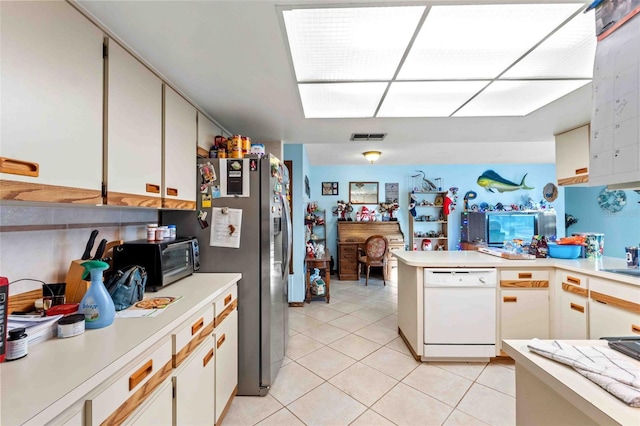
[{"x": 165, "y": 261}]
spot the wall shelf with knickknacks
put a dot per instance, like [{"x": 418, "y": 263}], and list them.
[
  {"x": 315, "y": 223},
  {"x": 428, "y": 230}
]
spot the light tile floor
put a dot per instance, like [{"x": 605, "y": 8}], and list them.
[{"x": 346, "y": 365}]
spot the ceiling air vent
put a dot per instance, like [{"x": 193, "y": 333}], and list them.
[{"x": 362, "y": 137}]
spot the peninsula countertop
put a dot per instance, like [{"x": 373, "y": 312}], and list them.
[
  {"x": 58, "y": 372},
  {"x": 567, "y": 387},
  {"x": 475, "y": 259}
]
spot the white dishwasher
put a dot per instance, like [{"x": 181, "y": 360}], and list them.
[{"x": 459, "y": 313}]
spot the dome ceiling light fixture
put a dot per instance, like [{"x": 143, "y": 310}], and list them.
[{"x": 372, "y": 156}]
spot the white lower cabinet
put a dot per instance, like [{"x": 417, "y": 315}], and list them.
[
  {"x": 571, "y": 307},
  {"x": 614, "y": 309},
  {"x": 226, "y": 341},
  {"x": 524, "y": 314},
  {"x": 156, "y": 410},
  {"x": 574, "y": 311},
  {"x": 194, "y": 387}
]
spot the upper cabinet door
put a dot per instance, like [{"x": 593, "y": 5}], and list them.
[
  {"x": 134, "y": 131},
  {"x": 51, "y": 104},
  {"x": 207, "y": 132},
  {"x": 180, "y": 133},
  {"x": 572, "y": 156}
]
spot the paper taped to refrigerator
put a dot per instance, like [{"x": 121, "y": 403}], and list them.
[{"x": 226, "y": 225}]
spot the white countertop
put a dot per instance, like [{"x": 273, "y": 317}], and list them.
[
  {"x": 475, "y": 259},
  {"x": 590, "y": 398},
  {"x": 59, "y": 372}
]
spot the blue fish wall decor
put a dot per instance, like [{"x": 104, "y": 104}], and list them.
[{"x": 490, "y": 180}]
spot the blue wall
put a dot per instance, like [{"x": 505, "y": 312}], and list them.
[
  {"x": 463, "y": 176},
  {"x": 620, "y": 229},
  {"x": 298, "y": 155}
]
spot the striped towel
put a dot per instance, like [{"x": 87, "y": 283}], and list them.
[{"x": 603, "y": 366}]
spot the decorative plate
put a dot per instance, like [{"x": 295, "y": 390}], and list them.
[
  {"x": 612, "y": 201},
  {"x": 550, "y": 192}
]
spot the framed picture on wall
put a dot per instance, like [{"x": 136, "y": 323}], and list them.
[
  {"x": 363, "y": 192},
  {"x": 307, "y": 188},
  {"x": 329, "y": 188}
]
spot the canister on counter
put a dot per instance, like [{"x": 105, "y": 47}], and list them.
[{"x": 70, "y": 326}]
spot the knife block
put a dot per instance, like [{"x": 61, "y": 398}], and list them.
[{"x": 76, "y": 287}]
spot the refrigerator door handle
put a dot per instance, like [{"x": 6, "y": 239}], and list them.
[{"x": 288, "y": 236}]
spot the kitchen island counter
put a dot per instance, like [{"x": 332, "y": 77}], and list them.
[
  {"x": 60, "y": 372},
  {"x": 475, "y": 259},
  {"x": 548, "y": 392}
]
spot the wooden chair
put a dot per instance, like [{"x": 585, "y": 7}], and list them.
[{"x": 375, "y": 253}]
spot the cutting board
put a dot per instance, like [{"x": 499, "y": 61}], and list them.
[{"x": 506, "y": 254}]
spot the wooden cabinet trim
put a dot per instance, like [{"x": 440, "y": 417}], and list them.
[
  {"x": 573, "y": 280},
  {"x": 524, "y": 283},
  {"x": 635, "y": 328},
  {"x": 614, "y": 301},
  {"x": 227, "y": 406},
  {"x": 207, "y": 357},
  {"x": 26, "y": 191},
  {"x": 184, "y": 353},
  {"x": 224, "y": 314},
  {"x": 124, "y": 199},
  {"x": 172, "y": 203},
  {"x": 577, "y": 307},
  {"x": 127, "y": 407},
  {"x": 578, "y": 291},
  {"x": 19, "y": 167},
  {"x": 573, "y": 180},
  {"x": 221, "y": 341},
  {"x": 195, "y": 327},
  {"x": 140, "y": 374},
  {"x": 510, "y": 299}
]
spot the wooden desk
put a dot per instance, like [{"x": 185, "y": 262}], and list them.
[
  {"x": 320, "y": 263},
  {"x": 352, "y": 235}
]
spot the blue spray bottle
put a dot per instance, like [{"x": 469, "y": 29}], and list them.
[{"x": 96, "y": 305}]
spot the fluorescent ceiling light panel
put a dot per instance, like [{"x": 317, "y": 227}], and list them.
[
  {"x": 517, "y": 98},
  {"x": 349, "y": 43},
  {"x": 341, "y": 100},
  {"x": 479, "y": 41},
  {"x": 567, "y": 53},
  {"x": 427, "y": 99}
]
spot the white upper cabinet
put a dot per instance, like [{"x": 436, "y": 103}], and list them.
[
  {"x": 572, "y": 156},
  {"x": 207, "y": 132},
  {"x": 51, "y": 104},
  {"x": 180, "y": 133},
  {"x": 134, "y": 131}
]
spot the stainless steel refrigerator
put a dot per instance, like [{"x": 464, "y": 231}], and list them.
[{"x": 257, "y": 186}]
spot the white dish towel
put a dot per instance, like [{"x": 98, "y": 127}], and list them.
[{"x": 601, "y": 365}]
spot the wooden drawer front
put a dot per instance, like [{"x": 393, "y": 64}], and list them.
[
  {"x": 348, "y": 250},
  {"x": 225, "y": 304},
  {"x": 117, "y": 401},
  {"x": 571, "y": 278},
  {"x": 186, "y": 338},
  {"x": 524, "y": 279}
]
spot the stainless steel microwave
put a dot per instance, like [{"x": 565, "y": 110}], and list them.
[{"x": 166, "y": 261}]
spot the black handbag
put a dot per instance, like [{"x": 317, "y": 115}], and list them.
[{"x": 126, "y": 286}]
